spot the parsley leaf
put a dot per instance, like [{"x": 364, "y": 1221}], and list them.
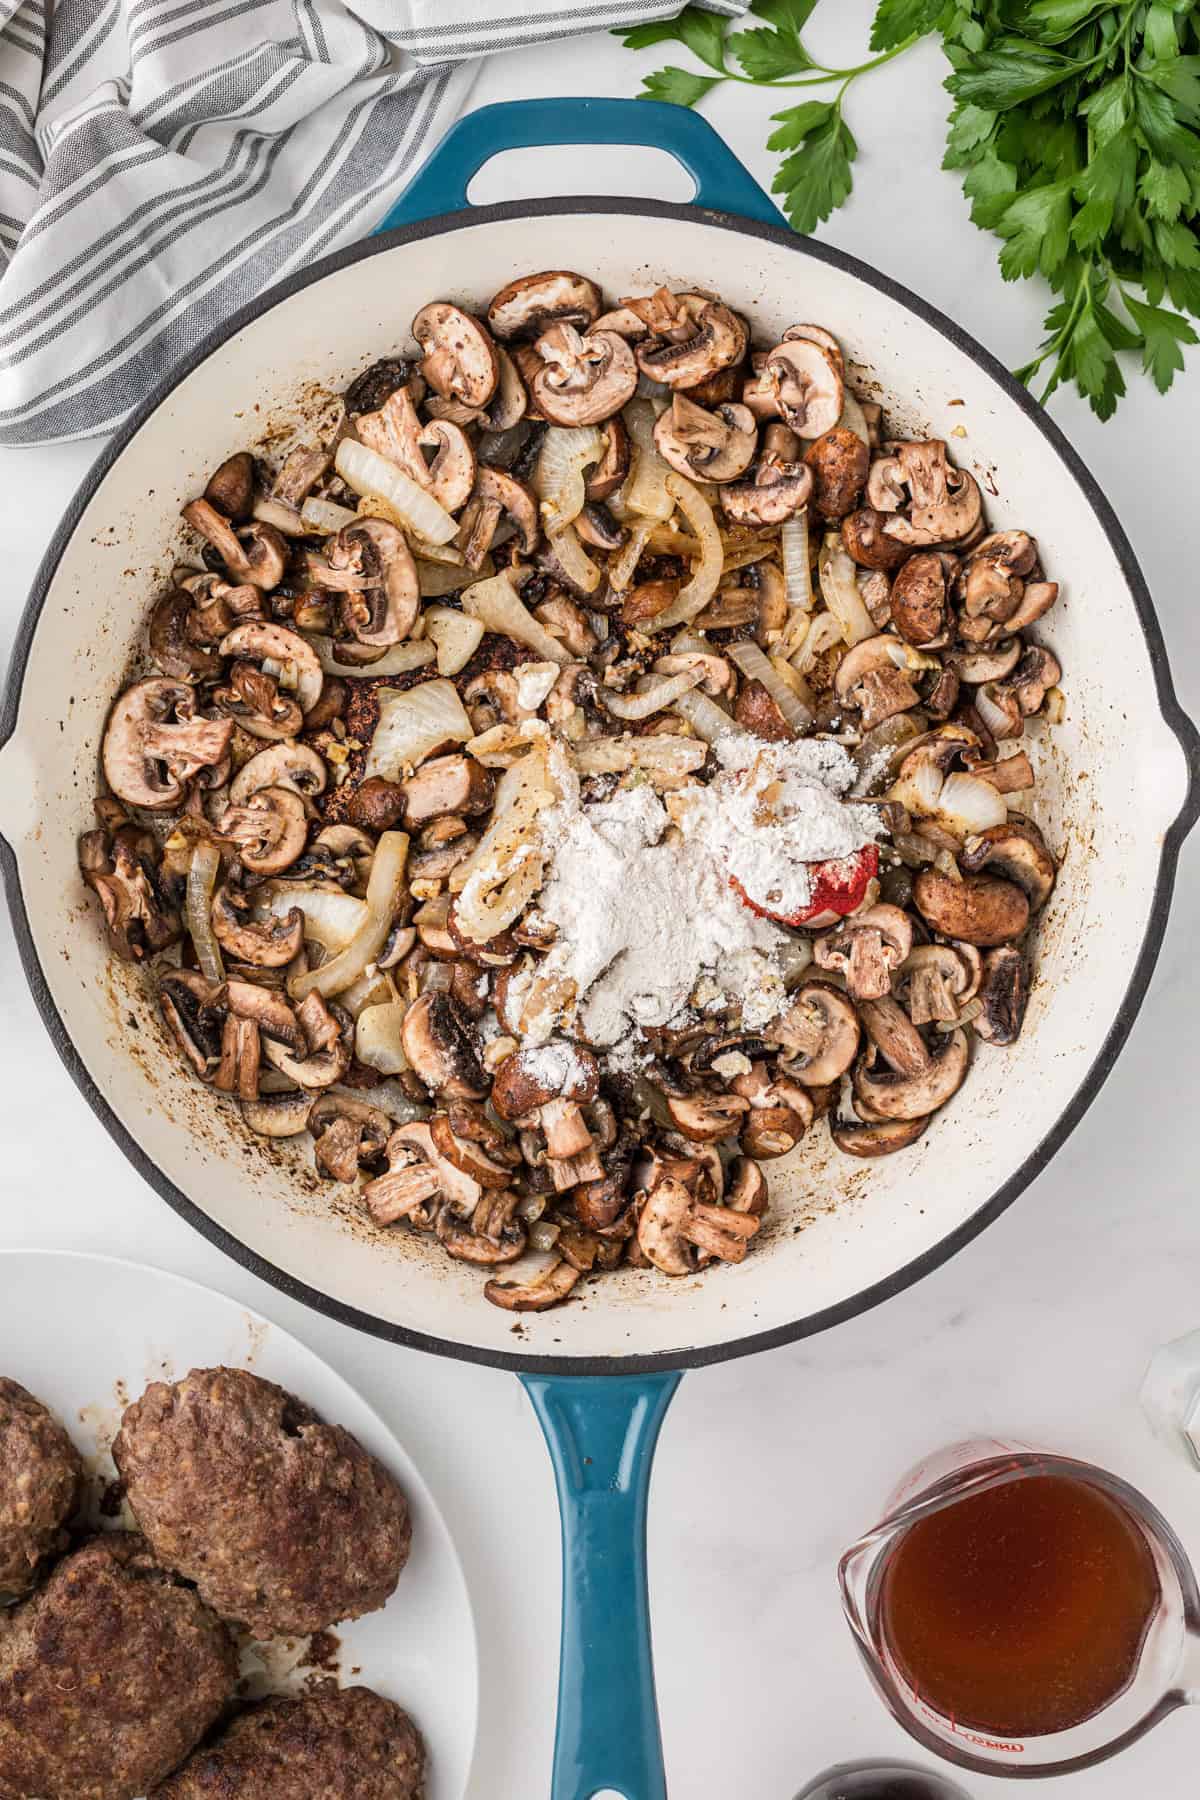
[
  {"x": 1036, "y": 227},
  {"x": 1005, "y": 77},
  {"x": 679, "y": 86},
  {"x": 786, "y": 15},
  {"x": 896, "y": 20},
  {"x": 767, "y": 55},
  {"x": 1163, "y": 332},
  {"x": 816, "y": 179},
  {"x": 797, "y": 122}
]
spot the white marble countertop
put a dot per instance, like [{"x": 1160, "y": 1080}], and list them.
[{"x": 1040, "y": 1329}]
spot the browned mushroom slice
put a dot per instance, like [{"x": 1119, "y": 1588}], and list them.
[
  {"x": 1016, "y": 850},
  {"x": 991, "y": 663},
  {"x": 706, "y": 1117},
  {"x": 530, "y": 1079},
  {"x": 583, "y": 380},
  {"x": 301, "y": 471},
  {"x": 892, "y": 1032},
  {"x": 241, "y": 1058},
  {"x": 270, "y": 829},
  {"x": 418, "y": 1181},
  {"x": 944, "y": 503},
  {"x": 921, "y": 609},
  {"x": 274, "y": 679},
  {"x": 706, "y": 446},
  {"x": 296, "y": 767},
  {"x": 495, "y": 1236},
  {"x": 231, "y": 487},
  {"x": 991, "y": 582},
  {"x": 446, "y": 784},
  {"x": 865, "y": 540},
  {"x": 872, "y": 678},
  {"x": 781, "y": 1111},
  {"x": 1038, "y": 670},
  {"x": 269, "y": 943},
  {"x": 381, "y": 607},
  {"x": 348, "y": 1135},
  {"x": 607, "y": 475},
  {"x": 867, "y": 949},
  {"x": 173, "y": 643},
  {"x": 460, "y": 361},
  {"x": 937, "y": 981},
  {"x": 818, "y": 1034},
  {"x": 548, "y": 1289},
  {"x": 121, "y": 873},
  {"x": 1004, "y": 992},
  {"x": 979, "y": 909},
  {"x": 154, "y": 743},
  {"x": 466, "y": 1137},
  {"x": 497, "y": 495},
  {"x": 772, "y": 494},
  {"x": 839, "y": 461},
  {"x": 675, "y": 1224},
  {"x": 890, "y": 1094},
  {"x": 876, "y": 1137},
  {"x": 187, "y": 1001},
  {"x": 327, "y": 1043},
  {"x": 691, "y": 337},
  {"x": 439, "y": 1044},
  {"x": 528, "y": 306},
  {"x": 254, "y": 553},
  {"x": 807, "y": 386},
  {"x": 747, "y": 1190},
  {"x": 817, "y": 334},
  {"x": 376, "y": 804}
]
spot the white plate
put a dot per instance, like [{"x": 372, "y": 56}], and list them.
[{"x": 86, "y": 1334}]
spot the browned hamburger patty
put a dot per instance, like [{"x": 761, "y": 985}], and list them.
[
  {"x": 335, "y": 1744},
  {"x": 109, "y": 1675},
  {"x": 284, "y": 1523},
  {"x": 41, "y": 1476}
]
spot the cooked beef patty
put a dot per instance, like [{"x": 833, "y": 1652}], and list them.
[
  {"x": 41, "y": 1475},
  {"x": 284, "y": 1523},
  {"x": 335, "y": 1744},
  {"x": 109, "y": 1675}
]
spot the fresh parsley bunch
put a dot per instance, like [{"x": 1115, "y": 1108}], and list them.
[{"x": 1076, "y": 125}]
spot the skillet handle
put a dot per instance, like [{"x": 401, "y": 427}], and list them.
[
  {"x": 722, "y": 182},
  {"x": 601, "y": 1433}
]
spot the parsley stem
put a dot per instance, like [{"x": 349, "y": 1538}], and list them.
[{"x": 845, "y": 76}]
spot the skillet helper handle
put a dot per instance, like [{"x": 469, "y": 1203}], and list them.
[
  {"x": 601, "y": 1433},
  {"x": 722, "y": 182}
]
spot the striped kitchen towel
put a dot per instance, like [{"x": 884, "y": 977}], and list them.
[{"x": 164, "y": 161}]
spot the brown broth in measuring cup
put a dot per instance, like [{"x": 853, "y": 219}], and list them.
[{"x": 1020, "y": 1609}]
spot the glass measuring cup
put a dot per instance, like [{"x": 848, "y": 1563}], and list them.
[{"x": 1166, "y": 1674}]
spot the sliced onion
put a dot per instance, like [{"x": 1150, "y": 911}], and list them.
[
  {"x": 646, "y": 491},
  {"x": 969, "y": 804},
  {"x": 507, "y": 866},
  {"x": 652, "y": 699},
  {"x": 797, "y": 571},
  {"x": 624, "y": 563},
  {"x": 412, "y": 725},
  {"x": 397, "y": 659},
  {"x": 325, "y": 516},
  {"x": 664, "y": 753},
  {"x": 839, "y": 586},
  {"x": 824, "y": 632},
  {"x": 331, "y": 917},
  {"x": 377, "y": 1037},
  {"x": 853, "y": 418},
  {"x": 499, "y": 606},
  {"x": 389, "y": 1097},
  {"x": 385, "y": 891},
  {"x": 573, "y": 559},
  {"x": 704, "y": 716},
  {"x": 755, "y": 667},
  {"x": 436, "y": 580},
  {"x": 695, "y": 595},
  {"x": 919, "y": 789},
  {"x": 879, "y": 752},
  {"x": 278, "y": 513},
  {"x": 558, "y": 477},
  {"x": 456, "y": 636},
  {"x": 368, "y": 473},
  {"x": 202, "y": 877},
  {"x": 372, "y": 989}
]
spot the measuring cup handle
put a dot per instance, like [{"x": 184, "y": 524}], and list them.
[
  {"x": 722, "y": 182},
  {"x": 601, "y": 1433}
]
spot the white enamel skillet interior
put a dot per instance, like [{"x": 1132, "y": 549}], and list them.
[{"x": 1117, "y": 791}]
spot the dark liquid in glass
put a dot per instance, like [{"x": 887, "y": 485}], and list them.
[
  {"x": 1020, "y": 1610},
  {"x": 880, "y": 1781}
]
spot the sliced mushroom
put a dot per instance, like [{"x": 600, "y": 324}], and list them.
[
  {"x": 231, "y": 487},
  {"x": 296, "y": 767},
  {"x": 819, "y": 1033},
  {"x": 270, "y": 830},
  {"x": 173, "y": 644},
  {"x": 944, "y": 503},
  {"x": 384, "y": 608},
  {"x": 772, "y": 494},
  {"x": 992, "y": 579},
  {"x": 706, "y": 446},
  {"x": 446, "y": 784},
  {"x": 187, "y": 1001},
  {"x": 237, "y": 1070},
  {"x": 526, "y": 307},
  {"x": 889, "y": 1094},
  {"x": 1037, "y": 671},
  {"x": 459, "y": 361},
  {"x": 868, "y": 543},
  {"x": 154, "y": 743},
  {"x": 496, "y": 1236},
  {"x": 872, "y": 679},
  {"x": 690, "y": 337},
  {"x": 121, "y": 872},
  {"x": 548, "y": 1289},
  {"x": 496, "y": 496},
  {"x": 441, "y": 1048},
  {"x": 1004, "y": 991},
  {"x": 990, "y": 664},
  {"x": 747, "y": 1191},
  {"x": 806, "y": 386},
  {"x": 921, "y": 609},
  {"x": 418, "y": 1176},
  {"x": 674, "y": 1224},
  {"x": 466, "y": 1137},
  {"x": 606, "y": 476},
  {"x": 348, "y": 1135},
  {"x": 596, "y": 527},
  {"x": 706, "y": 1117},
  {"x": 278, "y": 1115},
  {"x": 583, "y": 380},
  {"x": 937, "y": 980},
  {"x": 270, "y": 943},
  {"x": 256, "y": 553},
  {"x": 867, "y": 949},
  {"x": 781, "y": 1111},
  {"x": 878, "y": 1137},
  {"x": 979, "y": 909},
  {"x": 1016, "y": 850},
  {"x": 328, "y": 1039},
  {"x": 839, "y": 461}
]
